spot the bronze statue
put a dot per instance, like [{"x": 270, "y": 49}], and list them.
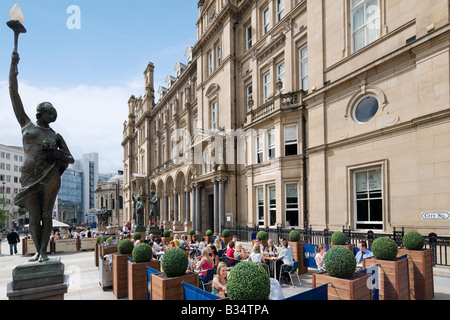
[
  {"x": 138, "y": 215},
  {"x": 46, "y": 158},
  {"x": 154, "y": 200}
]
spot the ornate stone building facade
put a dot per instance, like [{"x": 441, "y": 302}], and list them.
[{"x": 300, "y": 112}]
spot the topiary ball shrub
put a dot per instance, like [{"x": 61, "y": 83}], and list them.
[
  {"x": 340, "y": 262},
  {"x": 174, "y": 262},
  {"x": 137, "y": 236},
  {"x": 384, "y": 248},
  {"x": 125, "y": 246},
  {"x": 338, "y": 238},
  {"x": 109, "y": 240},
  {"x": 166, "y": 233},
  {"x": 261, "y": 235},
  {"x": 208, "y": 233},
  {"x": 142, "y": 253},
  {"x": 225, "y": 233},
  {"x": 248, "y": 280},
  {"x": 191, "y": 232},
  {"x": 413, "y": 241},
  {"x": 99, "y": 240},
  {"x": 294, "y": 236}
]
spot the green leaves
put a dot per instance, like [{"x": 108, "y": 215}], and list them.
[
  {"x": 340, "y": 262},
  {"x": 248, "y": 281}
]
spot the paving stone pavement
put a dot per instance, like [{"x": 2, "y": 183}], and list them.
[{"x": 84, "y": 276}]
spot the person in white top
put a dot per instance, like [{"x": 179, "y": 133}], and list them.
[
  {"x": 256, "y": 256},
  {"x": 320, "y": 250},
  {"x": 285, "y": 259}
]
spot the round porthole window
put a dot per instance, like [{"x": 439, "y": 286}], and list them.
[{"x": 365, "y": 109}]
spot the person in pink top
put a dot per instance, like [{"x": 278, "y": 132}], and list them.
[{"x": 206, "y": 262}]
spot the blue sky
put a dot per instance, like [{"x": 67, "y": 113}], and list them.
[{"x": 89, "y": 73}]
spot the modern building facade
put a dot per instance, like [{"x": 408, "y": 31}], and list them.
[
  {"x": 327, "y": 114},
  {"x": 11, "y": 159},
  {"x": 77, "y": 192}
]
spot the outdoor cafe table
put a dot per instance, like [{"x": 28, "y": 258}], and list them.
[{"x": 272, "y": 263}]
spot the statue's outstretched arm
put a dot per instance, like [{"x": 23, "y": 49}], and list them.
[{"x": 14, "y": 92}]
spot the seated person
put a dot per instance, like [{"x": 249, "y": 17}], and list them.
[
  {"x": 320, "y": 251},
  {"x": 205, "y": 263},
  {"x": 230, "y": 252},
  {"x": 270, "y": 249},
  {"x": 285, "y": 260},
  {"x": 363, "y": 253},
  {"x": 220, "y": 279},
  {"x": 239, "y": 253},
  {"x": 256, "y": 256}
]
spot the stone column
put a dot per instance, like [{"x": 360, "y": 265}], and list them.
[
  {"x": 221, "y": 182},
  {"x": 194, "y": 207},
  {"x": 198, "y": 207},
  {"x": 187, "y": 222},
  {"x": 216, "y": 206},
  {"x": 177, "y": 224}
]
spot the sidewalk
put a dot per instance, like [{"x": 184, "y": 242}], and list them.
[{"x": 85, "y": 276}]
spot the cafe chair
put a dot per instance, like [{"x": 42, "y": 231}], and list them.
[
  {"x": 208, "y": 278},
  {"x": 291, "y": 271}
]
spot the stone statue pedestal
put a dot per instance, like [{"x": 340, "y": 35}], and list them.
[
  {"x": 139, "y": 229},
  {"x": 38, "y": 281},
  {"x": 153, "y": 230},
  {"x": 177, "y": 226},
  {"x": 187, "y": 226}
]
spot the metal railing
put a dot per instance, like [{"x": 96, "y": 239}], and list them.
[{"x": 439, "y": 245}]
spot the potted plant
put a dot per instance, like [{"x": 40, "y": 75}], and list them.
[
  {"x": 137, "y": 271},
  {"x": 338, "y": 238},
  {"x": 261, "y": 235},
  {"x": 166, "y": 235},
  {"x": 208, "y": 236},
  {"x": 168, "y": 285},
  {"x": 392, "y": 271},
  {"x": 191, "y": 233},
  {"x": 344, "y": 283},
  {"x": 137, "y": 236},
  {"x": 226, "y": 236},
  {"x": 420, "y": 265},
  {"x": 120, "y": 268},
  {"x": 248, "y": 280},
  {"x": 107, "y": 246},
  {"x": 297, "y": 249}
]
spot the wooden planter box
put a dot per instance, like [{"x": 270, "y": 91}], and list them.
[
  {"x": 137, "y": 278},
  {"x": 120, "y": 275},
  {"x": 165, "y": 288},
  {"x": 420, "y": 265},
  {"x": 393, "y": 278},
  {"x": 344, "y": 289},
  {"x": 297, "y": 250},
  {"x": 104, "y": 250},
  {"x": 208, "y": 239},
  {"x": 263, "y": 242},
  {"x": 226, "y": 240}
]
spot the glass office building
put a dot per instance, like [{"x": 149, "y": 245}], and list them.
[{"x": 70, "y": 197}]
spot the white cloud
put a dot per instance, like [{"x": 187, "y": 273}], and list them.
[{"x": 90, "y": 118}]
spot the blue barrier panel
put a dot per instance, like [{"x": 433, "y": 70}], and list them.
[
  {"x": 130, "y": 259},
  {"x": 191, "y": 292},
  {"x": 319, "y": 293},
  {"x": 150, "y": 271},
  {"x": 374, "y": 280},
  {"x": 309, "y": 254}
]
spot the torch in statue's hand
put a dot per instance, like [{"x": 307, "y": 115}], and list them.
[{"x": 16, "y": 24}]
